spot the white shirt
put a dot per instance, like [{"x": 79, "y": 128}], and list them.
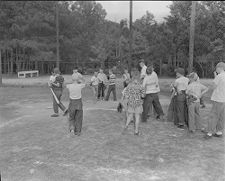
[
  {"x": 102, "y": 77},
  {"x": 52, "y": 78},
  {"x": 94, "y": 80},
  {"x": 77, "y": 75},
  {"x": 151, "y": 83},
  {"x": 75, "y": 90},
  {"x": 181, "y": 83},
  {"x": 195, "y": 89},
  {"x": 143, "y": 71},
  {"x": 218, "y": 94}
]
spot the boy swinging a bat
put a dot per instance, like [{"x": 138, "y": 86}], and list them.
[{"x": 56, "y": 87}]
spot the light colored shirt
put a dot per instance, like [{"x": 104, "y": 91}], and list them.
[
  {"x": 181, "y": 83},
  {"x": 151, "y": 83},
  {"x": 94, "y": 80},
  {"x": 218, "y": 94},
  {"x": 126, "y": 77},
  {"x": 195, "y": 89},
  {"x": 143, "y": 71},
  {"x": 102, "y": 77},
  {"x": 52, "y": 78},
  {"x": 75, "y": 90}
]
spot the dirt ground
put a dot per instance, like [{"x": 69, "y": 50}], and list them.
[{"x": 36, "y": 147}]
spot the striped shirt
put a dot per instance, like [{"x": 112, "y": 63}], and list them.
[{"x": 112, "y": 79}]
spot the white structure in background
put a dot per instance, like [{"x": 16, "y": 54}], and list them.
[{"x": 31, "y": 73}]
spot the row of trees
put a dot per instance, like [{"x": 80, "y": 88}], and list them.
[{"x": 87, "y": 39}]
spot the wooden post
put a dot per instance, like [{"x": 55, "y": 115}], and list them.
[
  {"x": 57, "y": 35},
  {"x": 0, "y": 68},
  {"x": 192, "y": 34},
  {"x": 130, "y": 38}
]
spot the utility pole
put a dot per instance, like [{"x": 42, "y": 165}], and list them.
[
  {"x": 130, "y": 38},
  {"x": 57, "y": 35},
  {"x": 0, "y": 68},
  {"x": 192, "y": 36}
]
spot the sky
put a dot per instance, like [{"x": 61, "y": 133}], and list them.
[{"x": 117, "y": 10}]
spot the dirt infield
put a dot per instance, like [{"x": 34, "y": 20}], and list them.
[{"x": 36, "y": 147}]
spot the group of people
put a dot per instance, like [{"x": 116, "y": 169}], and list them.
[{"x": 140, "y": 98}]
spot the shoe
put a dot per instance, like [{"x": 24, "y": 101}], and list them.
[
  {"x": 207, "y": 137},
  {"x": 137, "y": 134},
  {"x": 218, "y": 136},
  {"x": 54, "y": 115},
  {"x": 180, "y": 126},
  {"x": 65, "y": 112},
  {"x": 203, "y": 131}
]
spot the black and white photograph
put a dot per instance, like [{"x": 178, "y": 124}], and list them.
[{"x": 112, "y": 90}]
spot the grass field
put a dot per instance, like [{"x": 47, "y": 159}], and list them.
[{"x": 36, "y": 147}]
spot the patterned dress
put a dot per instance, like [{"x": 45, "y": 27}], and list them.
[{"x": 133, "y": 94}]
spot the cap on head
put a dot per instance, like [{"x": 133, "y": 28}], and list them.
[
  {"x": 56, "y": 70},
  {"x": 180, "y": 71},
  {"x": 221, "y": 65}
]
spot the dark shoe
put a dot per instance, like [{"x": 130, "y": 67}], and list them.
[
  {"x": 137, "y": 134},
  {"x": 203, "y": 131},
  {"x": 65, "y": 112},
  {"x": 54, "y": 115},
  {"x": 180, "y": 126},
  {"x": 218, "y": 136}
]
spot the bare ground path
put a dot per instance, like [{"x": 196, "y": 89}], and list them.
[{"x": 36, "y": 147}]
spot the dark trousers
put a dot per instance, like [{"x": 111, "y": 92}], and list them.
[
  {"x": 56, "y": 106},
  {"x": 75, "y": 115},
  {"x": 149, "y": 100},
  {"x": 101, "y": 90},
  {"x": 112, "y": 88},
  {"x": 180, "y": 110}
]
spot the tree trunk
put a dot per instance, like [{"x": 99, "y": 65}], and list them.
[
  {"x": 11, "y": 58},
  {"x": 160, "y": 67},
  {"x": 0, "y": 68}
]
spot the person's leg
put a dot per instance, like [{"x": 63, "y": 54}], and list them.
[
  {"x": 103, "y": 90},
  {"x": 129, "y": 118},
  {"x": 109, "y": 92},
  {"x": 58, "y": 94},
  {"x": 213, "y": 119},
  {"x": 220, "y": 124},
  {"x": 180, "y": 110},
  {"x": 191, "y": 117},
  {"x": 99, "y": 90},
  {"x": 137, "y": 121},
  {"x": 78, "y": 122},
  {"x": 147, "y": 103},
  {"x": 114, "y": 92},
  {"x": 170, "y": 112},
  {"x": 157, "y": 106},
  {"x": 198, "y": 121},
  {"x": 71, "y": 118}
]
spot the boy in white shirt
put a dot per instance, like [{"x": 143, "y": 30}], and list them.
[
  {"x": 217, "y": 115},
  {"x": 194, "y": 92},
  {"x": 180, "y": 106},
  {"x": 102, "y": 79},
  {"x": 94, "y": 84},
  {"x": 75, "y": 106},
  {"x": 151, "y": 87}
]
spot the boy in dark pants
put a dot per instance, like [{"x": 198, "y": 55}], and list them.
[
  {"x": 56, "y": 83},
  {"x": 112, "y": 86},
  {"x": 75, "y": 106},
  {"x": 101, "y": 84}
]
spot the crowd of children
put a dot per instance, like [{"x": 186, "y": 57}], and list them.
[{"x": 140, "y": 95}]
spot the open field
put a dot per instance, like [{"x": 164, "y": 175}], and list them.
[{"x": 36, "y": 147}]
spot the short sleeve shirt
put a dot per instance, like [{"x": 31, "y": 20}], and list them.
[
  {"x": 75, "y": 90},
  {"x": 94, "y": 80},
  {"x": 181, "y": 83},
  {"x": 151, "y": 83},
  {"x": 218, "y": 94},
  {"x": 195, "y": 89}
]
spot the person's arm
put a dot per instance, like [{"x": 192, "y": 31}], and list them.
[
  {"x": 215, "y": 81},
  {"x": 205, "y": 89}
]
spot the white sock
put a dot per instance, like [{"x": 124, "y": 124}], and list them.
[
  {"x": 219, "y": 133},
  {"x": 209, "y": 134}
]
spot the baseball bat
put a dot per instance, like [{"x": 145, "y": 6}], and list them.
[{"x": 56, "y": 99}]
